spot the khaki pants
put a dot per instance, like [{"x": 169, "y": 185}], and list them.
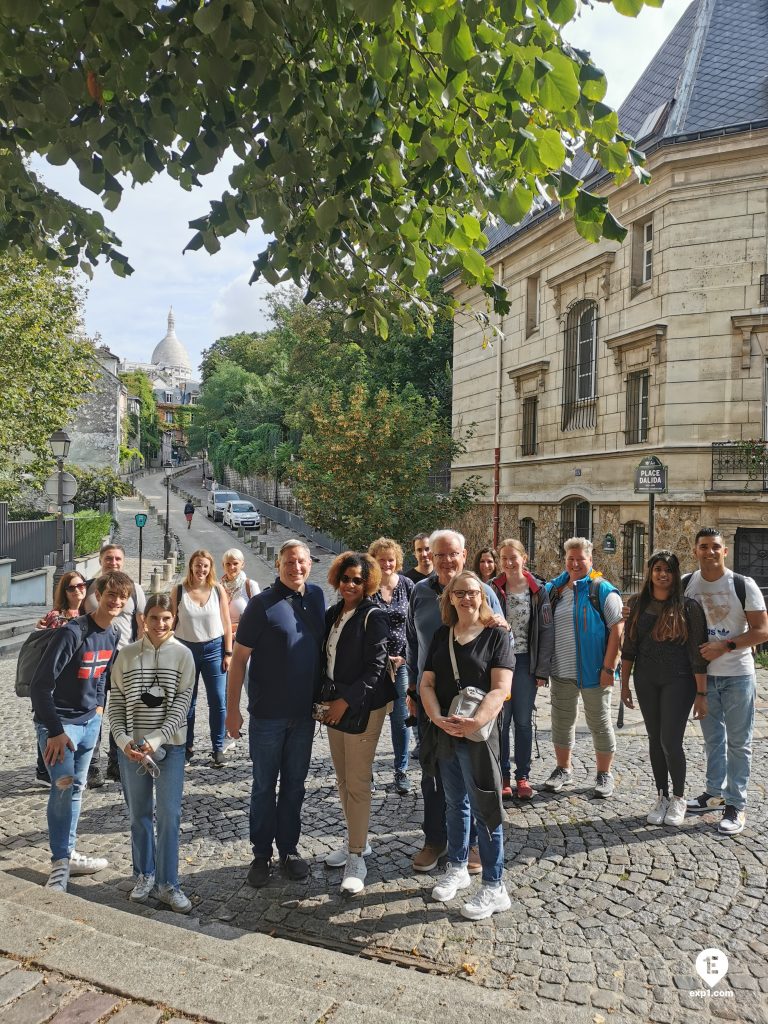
[
  {"x": 353, "y": 759},
  {"x": 597, "y": 711}
]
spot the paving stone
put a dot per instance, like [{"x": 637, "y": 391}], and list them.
[
  {"x": 86, "y": 1009},
  {"x": 137, "y": 1013},
  {"x": 35, "y": 1006},
  {"x": 16, "y": 982}
]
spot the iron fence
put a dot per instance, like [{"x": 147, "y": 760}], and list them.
[
  {"x": 32, "y": 542},
  {"x": 740, "y": 465}
]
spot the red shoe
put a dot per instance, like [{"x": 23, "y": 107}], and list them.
[
  {"x": 506, "y": 790},
  {"x": 524, "y": 790}
]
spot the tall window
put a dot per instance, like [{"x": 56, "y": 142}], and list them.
[
  {"x": 528, "y": 539},
  {"x": 634, "y": 557},
  {"x": 580, "y": 366},
  {"x": 532, "y": 298},
  {"x": 636, "y": 429},
  {"x": 647, "y": 270},
  {"x": 642, "y": 252},
  {"x": 530, "y": 412},
  {"x": 575, "y": 520}
]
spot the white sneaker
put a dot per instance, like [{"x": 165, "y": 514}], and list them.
[
  {"x": 338, "y": 858},
  {"x": 79, "y": 864},
  {"x": 173, "y": 898},
  {"x": 676, "y": 812},
  {"x": 59, "y": 876},
  {"x": 354, "y": 875},
  {"x": 491, "y": 899},
  {"x": 658, "y": 812},
  {"x": 456, "y": 877},
  {"x": 143, "y": 887}
]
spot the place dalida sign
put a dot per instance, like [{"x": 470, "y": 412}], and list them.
[{"x": 651, "y": 476}]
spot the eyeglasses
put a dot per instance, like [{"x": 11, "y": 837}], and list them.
[
  {"x": 76, "y": 586},
  {"x": 446, "y": 554},
  {"x": 354, "y": 581},
  {"x": 461, "y": 594}
]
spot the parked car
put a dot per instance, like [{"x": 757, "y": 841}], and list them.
[
  {"x": 240, "y": 513},
  {"x": 217, "y": 502}
]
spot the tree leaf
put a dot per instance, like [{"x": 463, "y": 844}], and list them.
[{"x": 458, "y": 47}]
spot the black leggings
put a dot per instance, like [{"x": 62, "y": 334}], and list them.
[{"x": 666, "y": 704}]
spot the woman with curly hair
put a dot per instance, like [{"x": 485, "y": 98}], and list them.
[
  {"x": 356, "y": 654},
  {"x": 662, "y": 637}
]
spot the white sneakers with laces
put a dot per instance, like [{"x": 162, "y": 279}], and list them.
[
  {"x": 141, "y": 890},
  {"x": 456, "y": 877},
  {"x": 59, "y": 876},
  {"x": 355, "y": 871},
  {"x": 338, "y": 858},
  {"x": 173, "y": 898},
  {"x": 491, "y": 899},
  {"x": 676, "y": 811},
  {"x": 658, "y": 812},
  {"x": 79, "y": 864}
]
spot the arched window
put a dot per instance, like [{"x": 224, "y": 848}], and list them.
[
  {"x": 528, "y": 539},
  {"x": 633, "y": 564},
  {"x": 580, "y": 366},
  {"x": 575, "y": 520}
]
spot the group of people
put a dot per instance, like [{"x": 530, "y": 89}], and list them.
[{"x": 458, "y": 654}]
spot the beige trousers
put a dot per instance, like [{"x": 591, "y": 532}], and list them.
[{"x": 353, "y": 759}]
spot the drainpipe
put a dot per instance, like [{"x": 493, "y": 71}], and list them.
[{"x": 497, "y": 435}]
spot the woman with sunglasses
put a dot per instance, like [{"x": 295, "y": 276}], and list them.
[
  {"x": 152, "y": 682},
  {"x": 468, "y": 651},
  {"x": 67, "y": 599},
  {"x": 356, "y": 654},
  {"x": 662, "y": 637}
]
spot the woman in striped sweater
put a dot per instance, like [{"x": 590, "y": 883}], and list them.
[{"x": 152, "y": 682}]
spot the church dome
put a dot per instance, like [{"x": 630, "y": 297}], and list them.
[{"x": 170, "y": 351}]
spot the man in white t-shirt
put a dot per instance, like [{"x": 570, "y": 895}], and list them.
[{"x": 736, "y": 620}]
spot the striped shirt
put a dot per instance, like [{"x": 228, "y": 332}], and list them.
[{"x": 151, "y": 693}]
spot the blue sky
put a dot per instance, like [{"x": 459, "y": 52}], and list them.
[{"x": 210, "y": 295}]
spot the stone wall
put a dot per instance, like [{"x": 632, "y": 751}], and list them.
[{"x": 95, "y": 427}]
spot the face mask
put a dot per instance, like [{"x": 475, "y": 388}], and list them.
[{"x": 153, "y": 696}]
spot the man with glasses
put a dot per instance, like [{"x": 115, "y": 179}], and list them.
[
  {"x": 284, "y": 625},
  {"x": 449, "y": 552},
  {"x": 130, "y": 625}
]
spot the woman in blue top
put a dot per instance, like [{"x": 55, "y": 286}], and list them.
[{"x": 393, "y": 596}]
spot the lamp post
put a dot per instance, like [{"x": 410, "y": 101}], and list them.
[
  {"x": 59, "y": 443},
  {"x": 167, "y": 469}
]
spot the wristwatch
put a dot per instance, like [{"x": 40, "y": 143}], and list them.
[
  {"x": 730, "y": 645},
  {"x": 609, "y": 670}
]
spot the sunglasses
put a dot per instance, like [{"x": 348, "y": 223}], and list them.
[
  {"x": 76, "y": 586},
  {"x": 354, "y": 581}
]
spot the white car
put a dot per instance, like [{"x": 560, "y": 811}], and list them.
[{"x": 240, "y": 513}]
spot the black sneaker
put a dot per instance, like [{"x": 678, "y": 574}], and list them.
[
  {"x": 95, "y": 777},
  {"x": 294, "y": 867},
  {"x": 705, "y": 802},
  {"x": 42, "y": 777},
  {"x": 560, "y": 777},
  {"x": 218, "y": 759},
  {"x": 604, "y": 785},
  {"x": 258, "y": 872},
  {"x": 189, "y": 755},
  {"x": 402, "y": 783},
  {"x": 113, "y": 770}
]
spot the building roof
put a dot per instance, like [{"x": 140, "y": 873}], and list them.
[
  {"x": 709, "y": 76},
  {"x": 170, "y": 351}
]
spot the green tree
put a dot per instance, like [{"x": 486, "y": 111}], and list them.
[
  {"x": 48, "y": 367},
  {"x": 374, "y": 138},
  {"x": 365, "y": 466},
  {"x": 145, "y": 427},
  {"x": 95, "y": 486}
]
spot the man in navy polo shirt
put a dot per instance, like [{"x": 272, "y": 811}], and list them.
[{"x": 283, "y": 627}]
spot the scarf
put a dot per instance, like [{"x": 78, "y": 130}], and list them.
[{"x": 233, "y": 586}]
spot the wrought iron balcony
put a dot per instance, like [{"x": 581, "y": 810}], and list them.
[{"x": 740, "y": 466}]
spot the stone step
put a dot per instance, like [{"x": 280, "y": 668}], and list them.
[{"x": 13, "y": 634}]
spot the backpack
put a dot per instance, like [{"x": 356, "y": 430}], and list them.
[
  {"x": 33, "y": 649},
  {"x": 594, "y": 598},
  {"x": 739, "y": 586}
]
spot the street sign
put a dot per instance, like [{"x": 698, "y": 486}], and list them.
[
  {"x": 141, "y": 519},
  {"x": 68, "y": 487},
  {"x": 651, "y": 476},
  {"x": 609, "y": 544}
]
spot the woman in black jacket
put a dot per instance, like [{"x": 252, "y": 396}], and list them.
[
  {"x": 527, "y": 609},
  {"x": 356, "y": 660}
]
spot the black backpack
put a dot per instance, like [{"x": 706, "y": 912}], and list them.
[{"x": 33, "y": 649}]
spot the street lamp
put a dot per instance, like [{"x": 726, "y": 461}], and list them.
[
  {"x": 167, "y": 469},
  {"x": 59, "y": 443}
]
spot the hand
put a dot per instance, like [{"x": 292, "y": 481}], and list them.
[
  {"x": 225, "y": 663},
  {"x": 713, "y": 649},
  {"x": 700, "y": 708},
  {"x": 606, "y": 681},
  {"x": 234, "y": 722},
  {"x": 413, "y": 707},
  {"x": 625, "y": 612},
  {"x": 542, "y": 682},
  {"x": 457, "y": 725},
  {"x": 336, "y": 709},
  {"x": 56, "y": 748},
  {"x": 499, "y": 620},
  {"x": 133, "y": 753},
  {"x": 397, "y": 661},
  {"x": 626, "y": 697}
]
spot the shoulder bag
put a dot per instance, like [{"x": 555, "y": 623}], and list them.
[{"x": 467, "y": 700}]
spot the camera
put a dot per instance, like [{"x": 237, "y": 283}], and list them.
[
  {"x": 319, "y": 712},
  {"x": 411, "y": 722}
]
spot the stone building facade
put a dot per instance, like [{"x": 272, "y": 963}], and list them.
[
  {"x": 655, "y": 346},
  {"x": 96, "y": 429}
]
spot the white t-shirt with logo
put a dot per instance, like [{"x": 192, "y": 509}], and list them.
[{"x": 726, "y": 619}]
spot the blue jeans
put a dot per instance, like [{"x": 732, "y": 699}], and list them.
[
  {"x": 433, "y": 794},
  {"x": 519, "y": 709},
  {"x": 727, "y": 731},
  {"x": 401, "y": 733},
  {"x": 280, "y": 748},
  {"x": 145, "y": 795},
  {"x": 64, "y": 801},
  {"x": 460, "y": 798},
  {"x": 208, "y": 657}
]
